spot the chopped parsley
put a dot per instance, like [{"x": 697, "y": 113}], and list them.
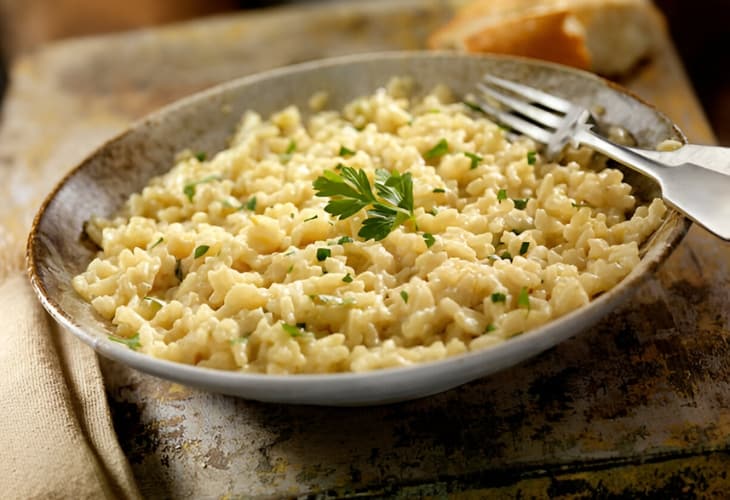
[
  {"x": 293, "y": 330},
  {"x": 131, "y": 342},
  {"x": 524, "y": 247},
  {"x": 429, "y": 239},
  {"x": 439, "y": 190},
  {"x": 523, "y": 299},
  {"x": 531, "y": 157},
  {"x": 347, "y": 278},
  {"x": 404, "y": 296},
  {"x": 520, "y": 204},
  {"x": 310, "y": 218},
  {"x": 200, "y": 251},
  {"x": 440, "y": 149},
  {"x": 498, "y": 297},
  {"x": 501, "y": 195},
  {"x": 251, "y": 204},
  {"x": 475, "y": 160},
  {"x": 350, "y": 191},
  {"x": 323, "y": 253},
  {"x": 506, "y": 256},
  {"x": 156, "y": 243},
  {"x": 178, "y": 270},
  {"x": 189, "y": 188},
  {"x": 290, "y": 269},
  {"x": 201, "y": 156},
  {"x": 490, "y": 328},
  {"x": 343, "y": 240},
  {"x": 473, "y": 106},
  {"x": 344, "y": 152},
  {"x": 291, "y": 147},
  {"x": 156, "y": 302}
]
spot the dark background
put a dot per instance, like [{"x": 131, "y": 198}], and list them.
[{"x": 700, "y": 29}]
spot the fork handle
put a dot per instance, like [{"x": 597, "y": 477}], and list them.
[{"x": 701, "y": 191}]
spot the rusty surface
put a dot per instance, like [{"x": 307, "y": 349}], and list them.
[{"x": 633, "y": 408}]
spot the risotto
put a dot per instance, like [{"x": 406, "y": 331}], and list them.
[{"x": 398, "y": 230}]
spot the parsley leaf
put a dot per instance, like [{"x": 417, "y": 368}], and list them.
[
  {"x": 201, "y": 156},
  {"x": 439, "y": 190},
  {"x": 490, "y": 328},
  {"x": 251, "y": 204},
  {"x": 506, "y": 256},
  {"x": 350, "y": 191},
  {"x": 520, "y": 204},
  {"x": 344, "y": 152},
  {"x": 156, "y": 243},
  {"x": 310, "y": 218},
  {"x": 440, "y": 149},
  {"x": 347, "y": 278},
  {"x": 523, "y": 299},
  {"x": 404, "y": 296},
  {"x": 343, "y": 240},
  {"x": 429, "y": 239},
  {"x": 292, "y": 330},
  {"x": 524, "y": 247},
  {"x": 189, "y": 188},
  {"x": 131, "y": 342},
  {"x": 323, "y": 253},
  {"x": 531, "y": 157},
  {"x": 200, "y": 251},
  {"x": 291, "y": 148},
  {"x": 498, "y": 297},
  {"x": 178, "y": 270},
  {"x": 501, "y": 195},
  {"x": 475, "y": 160}
]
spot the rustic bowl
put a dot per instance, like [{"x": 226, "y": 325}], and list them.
[{"x": 205, "y": 121}]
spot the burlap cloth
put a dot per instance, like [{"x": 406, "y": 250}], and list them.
[{"x": 56, "y": 434}]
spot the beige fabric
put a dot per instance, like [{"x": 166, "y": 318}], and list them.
[{"x": 56, "y": 437}]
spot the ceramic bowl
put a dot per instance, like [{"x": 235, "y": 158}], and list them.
[{"x": 205, "y": 121}]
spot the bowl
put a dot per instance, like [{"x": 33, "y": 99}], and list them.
[{"x": 204, "y": 122}]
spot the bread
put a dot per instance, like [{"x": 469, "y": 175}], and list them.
[{"x": 606, "y": 36}]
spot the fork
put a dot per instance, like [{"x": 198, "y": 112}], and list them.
[{"x": 693, "y": 179}]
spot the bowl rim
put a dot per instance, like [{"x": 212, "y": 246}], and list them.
[{"x": 554, "y": 329}]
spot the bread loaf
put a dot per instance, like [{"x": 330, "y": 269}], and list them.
[{"x": 606, "y": 36}]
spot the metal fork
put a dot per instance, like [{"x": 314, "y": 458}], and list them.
[{"x": 694, "y": 179}]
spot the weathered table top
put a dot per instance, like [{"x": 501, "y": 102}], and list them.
[{"x": 639, "y": 403}]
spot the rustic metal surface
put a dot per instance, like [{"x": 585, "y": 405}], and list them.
[{"x": 638, "y": 405}]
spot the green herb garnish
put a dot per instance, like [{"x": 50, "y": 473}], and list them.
[
  {"x": 524, "y": 247},
  {"x": 506, "y": 256},
  {"x": 178, "y": 270},
  {"x": 310, "y": 218},
  {"x": 429, "y": 239},
  {"x": 323, "y": 253},
  {"x": 131, "y": 342},
  {"x": 350, "y": 191},
  {"x": 498, "y": 297},
  {"x": 501, "y": 195},
  {"x": 523, "y": 299},
  {"x": 440, "y": 149},
  {"x": 344, "y": 152},
  {"x": 347, "y": 278},
  {"x": 404, "y": 296},
  {"x": 290, "y": 269},
  {"x": 520, "y": 204},
  {"x": 292, "y": 330},
  {"x": 343, "y": 240},
  {"x": 156, "y": 243},
  {"x": 475, "y": 160},
  {"x": 200, "y": 251},
  {"x": 531, "y": 157},
  {"x": 473, "y": 106},
  {"x": 439, "y": 190},
  {"x": 291, "y": 147},
  {"x": 490, "y": 328},
  {"x": 201, "y": 156},
  {"x": 251, "y": 204},
  {"x": 189, "y": 188}
]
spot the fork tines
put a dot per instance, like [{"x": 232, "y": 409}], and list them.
[{"x": 522, "y": 114}]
